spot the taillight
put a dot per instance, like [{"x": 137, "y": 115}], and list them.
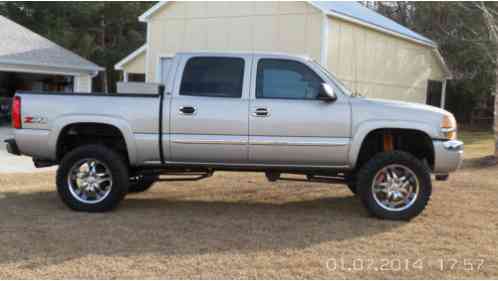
[{"x": 16, "y": 113}]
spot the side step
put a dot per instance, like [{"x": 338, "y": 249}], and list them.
[
  {"x": 336, "y": 179},
  {"x": 184, "y": 176}
]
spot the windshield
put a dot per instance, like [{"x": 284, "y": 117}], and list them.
[{"x": 334, "y": 79}]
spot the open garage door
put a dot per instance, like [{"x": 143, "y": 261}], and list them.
[{"x": 10, "y": 82}]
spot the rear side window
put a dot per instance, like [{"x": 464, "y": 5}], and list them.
[
  {"x": 286, "y": 79},
  {"x": 213, "y": 77}
]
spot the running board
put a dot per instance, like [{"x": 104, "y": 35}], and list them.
[
  {"x": 184, "y": 176},
  {"x": 313, "y": 178}
]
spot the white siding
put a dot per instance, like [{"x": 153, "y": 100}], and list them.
[
  {"x": 379, "y": 65},
  {"x": 136, "y": 65},
  {"x": 291, "y": 27},
  {"x": 83, "y": 83}
]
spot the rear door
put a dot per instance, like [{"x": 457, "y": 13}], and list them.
[
  {"x": 209, "y": 110},
  {"x": 288, "y": 124}
]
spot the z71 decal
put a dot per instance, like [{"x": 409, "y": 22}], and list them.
[{"x": 35, "y": 120}]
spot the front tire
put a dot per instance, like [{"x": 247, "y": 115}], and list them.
[
  {"x": 394, "y": 185},
  {"x": 92, "y": 178}
]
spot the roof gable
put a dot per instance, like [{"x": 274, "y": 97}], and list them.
[
  {"x": 130, "y": 57},
  {"x": 354, "y": 11},
  {"x": 19, "y": 45}
]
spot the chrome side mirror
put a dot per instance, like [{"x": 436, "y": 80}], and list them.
[{"x": 327, "y": 93}]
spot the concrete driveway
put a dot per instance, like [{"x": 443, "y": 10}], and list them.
[{"x": 15, "y": 164}]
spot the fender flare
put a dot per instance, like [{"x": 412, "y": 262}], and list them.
[
  {"x": 363, "y": 129},
  {"x": 122, "y": 125}
]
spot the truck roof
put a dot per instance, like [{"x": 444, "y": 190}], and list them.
[{"x": 248, "y": 53}]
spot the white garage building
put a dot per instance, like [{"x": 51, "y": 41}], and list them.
[
  {"x": 372, "y": 54},
  {"x": 29, "y": 61}
]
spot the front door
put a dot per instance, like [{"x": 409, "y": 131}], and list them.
[
  {"x": 288, "y": 124},
  {"x": 209, "y": 110}
]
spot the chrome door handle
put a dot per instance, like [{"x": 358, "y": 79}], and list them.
[
  {"x": 261, "y": 112},
  {"x": 187, "y": 110}
]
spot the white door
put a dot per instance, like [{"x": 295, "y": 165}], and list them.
[{"x": 165, "y": 69}]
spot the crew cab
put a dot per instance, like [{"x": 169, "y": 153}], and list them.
[{"x": 254, "y": 112}]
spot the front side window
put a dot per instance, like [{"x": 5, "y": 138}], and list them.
[
  {"x": 286, "y": 79},
  {"x": 213, "y": 77}
]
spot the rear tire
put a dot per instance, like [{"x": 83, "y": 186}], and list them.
[
  {"x": 142, "y": 183},
  {"x": 92, "y": 178},
  {"x": 394, "y": 185}
]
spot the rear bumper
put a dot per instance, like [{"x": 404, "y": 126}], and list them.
[
  {"x": 12, "y": 147},
  {"x": 448, "y": 156}
]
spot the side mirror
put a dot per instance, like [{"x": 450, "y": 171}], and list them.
[{"x": 327, "y": 93}]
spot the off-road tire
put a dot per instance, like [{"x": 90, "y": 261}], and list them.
[
  {"x": 119, "y": 173},
  {"x": 142, "y": 183},
  {"x": 366, "y": 176}
]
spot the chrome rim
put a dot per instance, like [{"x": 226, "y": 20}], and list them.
[
  {"x": 90, "y": 181},
  {"x": 395, "y": 188}
]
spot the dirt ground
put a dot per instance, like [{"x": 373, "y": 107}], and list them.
[{"x": 237, "y": 225}]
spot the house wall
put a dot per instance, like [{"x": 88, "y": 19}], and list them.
[
  {"x": 380, "y": 65},
  {"x": 83, "y": 83},
  {"x": 292, "y": 27},
  {"x": 136, "y": 65}
]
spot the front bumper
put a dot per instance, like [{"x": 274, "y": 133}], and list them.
[
  {"x": 448, "y": 156},
  {"x": 12, "y": 147}
]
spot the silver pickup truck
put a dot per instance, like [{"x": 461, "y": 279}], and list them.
[{"x": 272, "y": 113}]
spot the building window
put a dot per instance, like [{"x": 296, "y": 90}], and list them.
[{"x": 136, "y": 77}]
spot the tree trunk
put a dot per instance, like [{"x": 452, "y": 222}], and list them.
[
  {"x": 105, "y": 81},
  {"x": 496, "y": 104},
  {"x": 496, "y": 121}
]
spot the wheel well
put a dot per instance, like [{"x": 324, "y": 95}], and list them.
[
  {"x": 415, "y": 142},
  {"x": 78, "y": 134}
]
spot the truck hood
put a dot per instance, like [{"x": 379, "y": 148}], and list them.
[
  {"x": 404, "y": 105},
  {"x": 367, "y": 110}
]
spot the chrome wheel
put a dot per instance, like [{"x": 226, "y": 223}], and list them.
[
  {"x": 395, "y": 188},
  {"x": 90, "y": 181}
]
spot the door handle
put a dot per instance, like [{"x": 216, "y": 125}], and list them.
[
  {"x": 187, "y": 110},
  {"x": 261, "y": 112}
]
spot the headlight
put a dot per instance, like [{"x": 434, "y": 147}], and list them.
[{"x": 449, "y": 127}]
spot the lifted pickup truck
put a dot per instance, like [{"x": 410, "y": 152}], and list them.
[{"x": 273, "y": 113}]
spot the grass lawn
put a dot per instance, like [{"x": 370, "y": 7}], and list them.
[
  {"x": 477, "y": 143},
  {"x": 236, "y": 225}
]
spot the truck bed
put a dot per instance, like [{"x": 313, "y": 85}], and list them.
[{"x": 137, "y": 115}]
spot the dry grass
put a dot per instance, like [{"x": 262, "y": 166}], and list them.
[{"x": 240, "y": 226}]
